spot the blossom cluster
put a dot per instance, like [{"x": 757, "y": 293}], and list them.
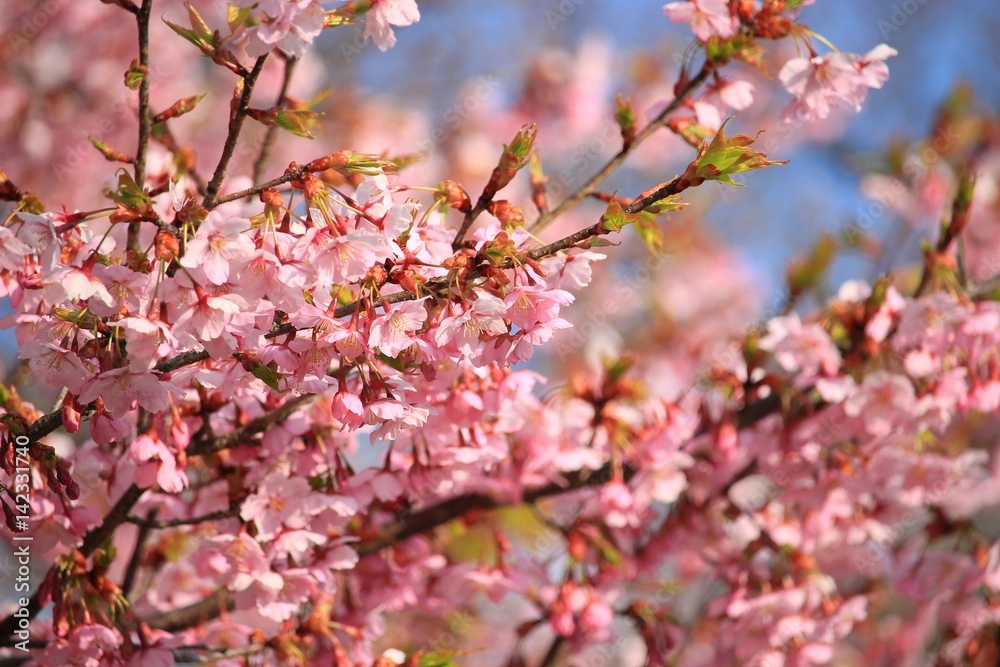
[{"x": 313, "y": 407}]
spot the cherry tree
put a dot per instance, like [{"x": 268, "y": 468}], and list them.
[{"x": 358, "y": 412}]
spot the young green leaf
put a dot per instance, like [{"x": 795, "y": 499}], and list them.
[{"x": 726, "y": 156}]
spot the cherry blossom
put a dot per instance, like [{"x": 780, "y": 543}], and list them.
[
  {"x": 383, "y": 14},
  {"x": 310, "y": 407},
  {"x": 708, "y": 18},
  {"x": 821, "y": 82}
]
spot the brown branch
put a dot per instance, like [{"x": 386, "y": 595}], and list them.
[
  {"x": 185, "y": 617},
  {"x": 133, "y": 564},
  {"x": 235, "y": 126},
  {"x": 244, "y": 433},
  {"x": 470, "y": 217},
  {"x": 127, "y": 5},
  {"x": 272, "y": 130},
  {"x": 181, "y": 360},
  {"x": 174, "y": 523},
  {"x": 666, "y": 190},
  {"x": 289, "y": 175},
  {"x": 142, "y": 19},
  {"x": 594, "y": 181},
  {"x": 637, "y": 206}
]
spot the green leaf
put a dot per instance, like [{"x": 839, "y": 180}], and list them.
[
  {"x": 807, "y": 272},
  {"x": 298, "y": 122},
  {"x": 134, "y": 75},
  {"x": 523, "y": 142},
  {"x": 200, "y": 34},
  {"x": 237, "y": 16},
  {"x": 129, "y": 194},
  {"x": 625, "y": 117},
  {"x": 651, "y": 234},
  {"x": 189, "y": 35},
  {"x": 665, "y": 205},
  {"x": 268, "y": 376},
  {"x": 442, "y": 658},
  {"x": 434, "y": 660},
  {"x": 598, "y": 242},
  {"x": 722, "y": 158},
  {"x": 197, "y": 23},
  {"x": 615, "y": 217}
]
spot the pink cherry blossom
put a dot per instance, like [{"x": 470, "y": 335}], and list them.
[
  {"x": 463, "y": 331},
  {"x": 383, "y": 14},
  {"x": 390, "y": 333},
  {"x": 218, "y": 247},
  {"x": 121, "y": 387},
  {"x": 821, "y": 82},
  {"x": 708, "y": 18}
]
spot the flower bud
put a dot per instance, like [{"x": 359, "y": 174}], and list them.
[
  {"x": 506, "y": 213},
  {"x": 167, "y": 246},
  {"x": 456, "y": 197}
]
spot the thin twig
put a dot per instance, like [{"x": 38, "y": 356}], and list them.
[
  {"x": 142, "y": 19},
  {"x": 244, "y": 433},
  {"x": 192, "y": 521},
  {"x": 235, "y": 126},
  {"x": 127, "y": 5},
  {"x": 289, "y": 175},
  {"x": 171, "y": 144},
  {"x": 962, "y": 266},
  {"x": 272, "y": 130},
  {"x": 470, "y": 217},
  {"x": 594, "y": 181},
  {"x": 133, "y": 565},
  {"x": 191, "y": 654}
]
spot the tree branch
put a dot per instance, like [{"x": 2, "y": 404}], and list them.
[
  {"x": 142, "y": 19},
  {"x": 262, "y": 423},
  {"x": 289, "y": 175},
  {"x": 133, "y": 565},
  {"x": 192, "y": 521},
  {"x": 594, "y": 181},
  {"x": 272, "y": 130},
  {"x": 235, "y": 126}
]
